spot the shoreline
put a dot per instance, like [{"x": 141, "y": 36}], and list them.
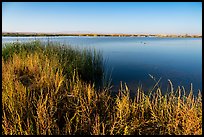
[{"x": 18, "y": 34}]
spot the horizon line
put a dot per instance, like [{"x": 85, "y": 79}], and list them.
[{"x": 91, "y": 32}]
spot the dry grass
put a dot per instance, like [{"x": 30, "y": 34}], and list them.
[{"x": 39, "y": 99}]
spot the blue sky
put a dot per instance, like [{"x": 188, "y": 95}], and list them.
[{"x": 103, "y": 17}]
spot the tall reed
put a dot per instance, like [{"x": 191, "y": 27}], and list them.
[{"x": 88, "y": 63}]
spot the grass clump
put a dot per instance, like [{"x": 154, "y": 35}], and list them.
[
  {"x": 88, "y": 63},
  {"x": 46, "y": 91}
]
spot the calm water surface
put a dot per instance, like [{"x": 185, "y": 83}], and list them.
[{"x": 132, "y": 59}]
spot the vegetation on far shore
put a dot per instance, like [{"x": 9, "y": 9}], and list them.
[
  {"x": 51, "y": 89},
  {"x": 12, "y": 34}
]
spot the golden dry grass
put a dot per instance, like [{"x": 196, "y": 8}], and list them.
[{"x": 38, "y": 99}]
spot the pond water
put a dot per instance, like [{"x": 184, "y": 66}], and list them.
[{"x": 132, "y": 59}]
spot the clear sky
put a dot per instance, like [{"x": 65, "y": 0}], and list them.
[{"x": 103, "y": 17}]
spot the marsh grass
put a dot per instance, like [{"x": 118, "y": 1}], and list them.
[
  {"x": 49, "y": 90},
  {"x": 88, "y": 63}
]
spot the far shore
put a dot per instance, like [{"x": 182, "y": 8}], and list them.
[{"x": 19, "y": 34}]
